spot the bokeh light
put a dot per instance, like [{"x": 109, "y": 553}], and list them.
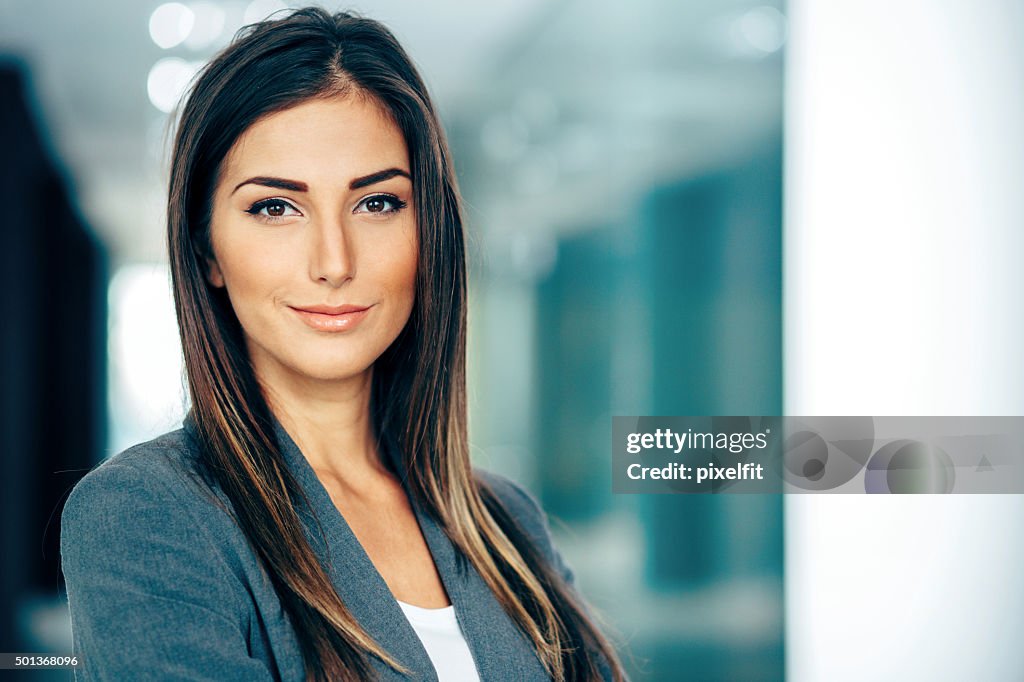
[{"x": 170, "y": 24}]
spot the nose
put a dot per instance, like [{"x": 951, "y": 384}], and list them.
[{"x": 332, "y": 259}]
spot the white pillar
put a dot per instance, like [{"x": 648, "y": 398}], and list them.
[{"x": 904, "y": 295}]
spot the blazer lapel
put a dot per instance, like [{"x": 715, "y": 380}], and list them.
[
  {"x": 354, "y": 576},
  {"x": 500, "y": 649}
]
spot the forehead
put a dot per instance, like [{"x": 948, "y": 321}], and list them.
[{"x": 342, "y": 136}]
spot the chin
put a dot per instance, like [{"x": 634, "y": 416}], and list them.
[
  {"x": 315, "y": 361},
  {"x": 332, "y": 371}
]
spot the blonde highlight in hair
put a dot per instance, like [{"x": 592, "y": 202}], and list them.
[{"x": 418, "y": 400}]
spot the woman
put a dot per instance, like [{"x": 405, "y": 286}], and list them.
[{"x": 317, "y": 517}]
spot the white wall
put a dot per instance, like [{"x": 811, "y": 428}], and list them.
[{"x": 904, "y": 294}]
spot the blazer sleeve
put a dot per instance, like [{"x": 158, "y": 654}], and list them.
[{"x": 150, "y": 594}]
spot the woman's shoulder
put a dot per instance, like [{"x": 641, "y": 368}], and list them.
[
  {"x": 145, "y": 515},
  {"x": 519, "y": 502},
  {"x": 153, "y": 486},
  {"x": 522, "y": 506},
  {"x": 152, "y": 566},
  {"x": 157, "y": 468}
]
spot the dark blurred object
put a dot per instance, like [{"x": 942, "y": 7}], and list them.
[{"x": 52, "y": 353}]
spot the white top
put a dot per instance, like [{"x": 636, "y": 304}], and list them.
[{"x": 439, "y": 631}]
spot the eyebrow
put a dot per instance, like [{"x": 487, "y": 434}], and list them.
[
  {"x": 379, "y": 176},
  {"x": 297, "y": 186}
]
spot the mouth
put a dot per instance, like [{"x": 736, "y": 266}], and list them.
[
  {"x": 331, "y": 318},
  {"x": 331, "y": 309}
]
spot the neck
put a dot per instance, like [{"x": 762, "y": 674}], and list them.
[{"x": 329, "y": 422}]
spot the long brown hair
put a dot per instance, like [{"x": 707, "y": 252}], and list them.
[{"x": 418, "y": 399}]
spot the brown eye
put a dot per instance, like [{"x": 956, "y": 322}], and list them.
[
  {"x": 272, "y": 209},
  {"x": 380, "y": 204}
]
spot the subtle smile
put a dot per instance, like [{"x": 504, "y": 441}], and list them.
[{"x": 331, "y": 318}]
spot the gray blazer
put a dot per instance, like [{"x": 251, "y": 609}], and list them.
[{"x": 162, "y": 584}]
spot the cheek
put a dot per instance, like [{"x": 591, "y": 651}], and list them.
[
  {"x": 250, "y": 267},
  {"x": 395, "y": 279},
  {"x": 402, "y": 268}
]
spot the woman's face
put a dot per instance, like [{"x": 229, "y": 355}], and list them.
[{"x": 314, "y": 237}]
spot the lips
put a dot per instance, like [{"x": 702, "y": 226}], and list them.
[
  {"x": 331, "y": 310},
  {"x": 326, "y": 318}
]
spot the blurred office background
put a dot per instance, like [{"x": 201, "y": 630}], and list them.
[{"x": 623, "y": 169}]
